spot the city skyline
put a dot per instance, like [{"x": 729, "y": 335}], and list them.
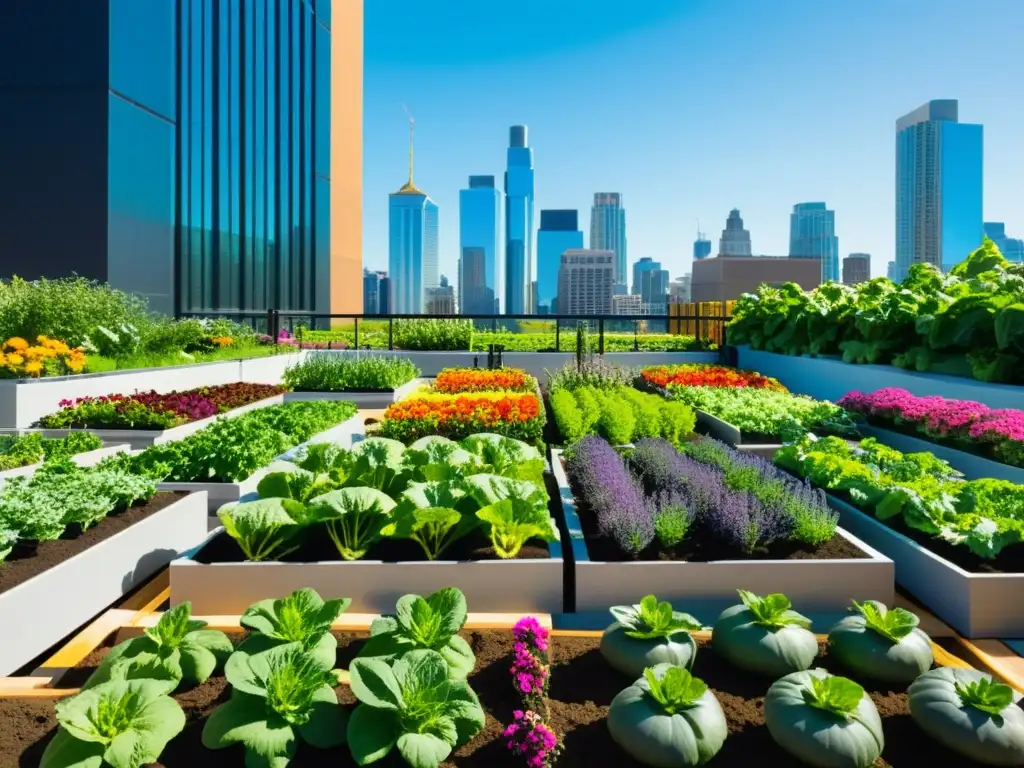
[{"x": 842, "y": 154}]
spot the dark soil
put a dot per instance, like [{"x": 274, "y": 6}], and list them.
[
  {"x": 22, "y": 564},
  {"x": 319, "y": 548},
  {"x": 582, "y": 688}
]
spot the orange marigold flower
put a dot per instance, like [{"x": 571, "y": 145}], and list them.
[
  {"x": 33, "y": 367},
  {"x": 17, "y": 344},
  {"x": 465, "y": 380}
]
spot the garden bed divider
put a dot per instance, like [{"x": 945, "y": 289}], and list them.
[
  {"x": 367, "y": 400},
  {"x": 977, "y": 605}
]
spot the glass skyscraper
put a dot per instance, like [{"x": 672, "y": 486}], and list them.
[
  {"x": 1011, "y": 247},
  {"x": 412, "y": 249},
  {"x": 178, "y": 149},
  {"x": 481, "y": 247},
  {"x": 812, "y": 234},
  {"x": 651, "y": 282},
  {"x": 519, "y": 224},
  {"x": 559, "y": 232},
  {"x": 608, "y": 231},
  {"x": 701, "y": 248},
  {"x": 938, "y": 187}
]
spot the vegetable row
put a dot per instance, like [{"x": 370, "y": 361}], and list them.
[
  {"x": 345, "y": 373},
  {"x": 24, "y": 450}
]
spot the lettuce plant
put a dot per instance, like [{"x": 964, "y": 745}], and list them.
[
  {"x": 412, "y": 705},
  {"x": 355, "y": 518},
  {"x": 303, "y": 617},
  {"x": 435, "y": 514},
  {"x": 430, "y": 623},
  {"x": 379, "y": 463},
  {"x": 277, "y": 697},
  {"x": 178, "y": 648},
  {"x": 512, "y": 522},
  {"x": 121, "y": 723},
  {"x": 265, "y": 529}
]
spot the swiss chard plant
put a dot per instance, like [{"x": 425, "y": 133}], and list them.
[
  {"x": 413, "y": 706},
  {"x": 652, "y": 619},
  {"x": 178, "y": 648},
  {"x": 430, "y": 623},
  {"x": 355, "y": 518},
  {"x": 278, "y": 697},
  {"x": 120, "y": 723},
  {"x": 303, "y": 617},
  {"x": 266, "y": 529}
]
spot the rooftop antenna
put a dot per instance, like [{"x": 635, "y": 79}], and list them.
[{"x": 412, "y": 133}]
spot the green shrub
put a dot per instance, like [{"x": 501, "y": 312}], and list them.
[
  {"x": 677, "y": 421},
  {"x": 342, "y": 373},
  {"x": 433, "y": 335},
  {"x": 647, "y": 412},
  {"x": 616, "y": 424},
  {"x": 590, "y": 408},
  {"x": 567, "y": 415}
]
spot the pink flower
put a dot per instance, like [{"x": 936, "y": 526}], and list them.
[{"x": 530, "y": 737}]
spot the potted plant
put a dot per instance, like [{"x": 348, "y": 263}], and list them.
[
  {"x": 648, "y": 634},
  {"x": 764, "y": 635},
  {"x": 882, "y": 644}
]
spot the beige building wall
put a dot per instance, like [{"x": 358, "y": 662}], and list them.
[
  {"x": 725, "y": 278},
  {"x": 347, "y": 156}
]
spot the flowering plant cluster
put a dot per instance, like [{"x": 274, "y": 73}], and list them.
[
  {"x": 457, "y": 380},
  {"x": 530, "y": 736},
  {"x": 222, "y": 341},
  {"x": 47, "y": 357},
  {"x": 152, "y": 410},
  {"x": 512, "y": 414},
  {"x": 998, "y": 433},
  {"x": 698, "y": 375}
]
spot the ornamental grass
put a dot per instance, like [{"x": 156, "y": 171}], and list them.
[
  {"x": 458, "y": 380},
  {"x": 514, "y": 414}
]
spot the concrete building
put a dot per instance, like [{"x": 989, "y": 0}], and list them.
[
  {"x": 650, "y": 282},
  {"x": 586, "y": 280},
  {"x": 735, "y": 240},
  {"x": 857, "y": 268},
  {"x": 608, "y": 231},
  {"x": 559, "y": 232},
  {"x": 481, "y": 231},
  {"x": 938, "y": 187},
  {"x": 812, "y": 234},
  {"x": 519, "y": 224},
  {"x": 725, "y": 278},
  {"x": 141, "y": 162},
  {"x": 440, "y": 299},
  {"x": 627, "y": 304}
]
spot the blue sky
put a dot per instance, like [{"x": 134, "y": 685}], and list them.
[{"x": 688, "y": 108}]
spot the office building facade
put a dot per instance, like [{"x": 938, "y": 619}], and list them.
[
  {"x": 519, "y": 224},
  {"x": 735, "y": 240},
  {"x": 651, "y": 284},
  {"x": 1011, "y": 247},
  {"x": 586, "y": 280},
  {"x": 939, "y": 190},
  {"x": 726, "y": 278},
  {"x": 701, "y": 248},
  {"x": 371, "y": 292},
  {"x": 812, "y": 235},
  {"x": 559, "y": 232},
  {"x": 440, "y": 299},
  {"x": 627, "y": 304},
  {"x": 481, "y": 234},
  {"x": 182, "y": 150},
  {"x": 856, "y": 268},
  {"x": 608, "y": 232}
]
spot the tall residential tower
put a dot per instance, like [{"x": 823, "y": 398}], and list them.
[
  {"x": 481, "y": 247},
  {"x": 735, "y": 240},
  {"x": 938, "y": 187},
  {"x": 519, "y": 224},
  {"x": 559, "y": 232},
  {"x": 812, "y": 234},
  {"x": 608, "y": 232}
]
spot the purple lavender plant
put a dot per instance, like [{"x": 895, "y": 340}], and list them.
[
  {"x": 614, "y": 496},
  {"x": 742, "y": 521}
]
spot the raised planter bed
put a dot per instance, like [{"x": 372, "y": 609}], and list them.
[
  {"x": 219, "y": 494},
  {"x": 831, "y": 378},
  {"x": 978, "y": 605},
  {"x": 46, "y": 597},
  {"x": 363, "y": 399},
  {"x": 973, "y": 466},
  {"x": 86, "y": 459},
  {"x": 733, "y": 436},
  {"x": 821, "y": 588}
]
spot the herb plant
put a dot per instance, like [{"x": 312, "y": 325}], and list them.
[
  {"x": 303, "y": 617},
  {"x": 648, "y": 634},
  {"x": 430, "y": 623},
  {"x": 278, "y": 696},
  {"x": 765, "y": 635},
  {"x": 413, "y": 705},
  {"x": 121, "y": 723}
]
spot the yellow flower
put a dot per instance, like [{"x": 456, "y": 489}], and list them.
[
  {"x": 14, "y": 359},
  {"x": 33, "y": 368},
  {"x": 16, "y": 343}
]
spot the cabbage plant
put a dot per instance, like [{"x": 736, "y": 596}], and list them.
[
  {"x": 178, "y": 648},
  {"x": 971, "y": 714},
  {"x": 667, "y": 719},
  {"x": 430, "y": 623},
  {"x": 355, "y": 518},
  {"x": 764, "y": 634},
  {"x": 648, "y": 634},
  {"x": 412, "y": 705},
  {"x": 435, "y": 514},
  {"x": 303, "y": 617},
  {"x": 120, "y": 723},
  {"x": 266, "y": 529},
  {"x": 277, "y": 697},
  {"x": 824, "y": 720},
  {"x": 882, "y": 644},
  {"x": 513, "y": 512}
]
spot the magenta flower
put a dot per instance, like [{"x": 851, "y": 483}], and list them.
[{"x": 530, "y": 737}]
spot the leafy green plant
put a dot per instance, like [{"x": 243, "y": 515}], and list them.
[
  {"x": 355, "y": 518},
  {"x": 838, "y": 695},
  {"x": 177, "y": 648},
  {"x": 277, "y": 697},
  {"x": 433, "y": 334},
  {"x": 676, "y": 690},
  {"x": 121, "y": 723},
  {"x": 511, "y": 523},
  {"x": 331, "y": 372},
  {"x": 303, "y": 617},
  {"x": 434, "y": 514},
  {"x": 649, "y": 634},
  {"x": 430, "y": 623},
  {"x": 412, "y": 705},
  {"x": 266, "y": 529},
  {"x": 772, "y": 611},
  {"x": 651, "y": 619},
  {"x": 765, "y": 635}
]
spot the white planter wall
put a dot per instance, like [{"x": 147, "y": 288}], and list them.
[{"x": 44, "y": 610}]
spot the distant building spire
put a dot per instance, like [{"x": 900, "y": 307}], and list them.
[{"x": 409, "y": 188}]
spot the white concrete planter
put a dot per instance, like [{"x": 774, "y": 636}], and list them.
[
  {"x": 973, "y": 467},
  {"x": 366, "y": 400},
  {"x": 830, "y": 379},
  {"x": 41, "y": 612},
  {"x": 270, "y": 369},
  {"x": 821, "y": 588},
  {"x": 490, "y": 586},
  {"x": 219, "y": 494},
  {"x": 731, "y": 435},
  {"x": 978, "y": 605},
  {"x": 87, "y": 459},
  {"x": 143, "y": 438}
]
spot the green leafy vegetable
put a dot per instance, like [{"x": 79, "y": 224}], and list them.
[
  {"x": 653, "y": 619},
  {"x": 303, "y": 617},
  {"x": 413, "y": 705},
  {"x": 264, "y": 529},
  {"x": 676, "y": 689},
  {"x": 355, "y": 518},
  {"x": 985, "y": 694},
  {"x": 893, "y": 624},
  {"x": 773, "y": 611},
  {"x": 838, "y": 695},
  {"x": 513, "y": 522}
]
